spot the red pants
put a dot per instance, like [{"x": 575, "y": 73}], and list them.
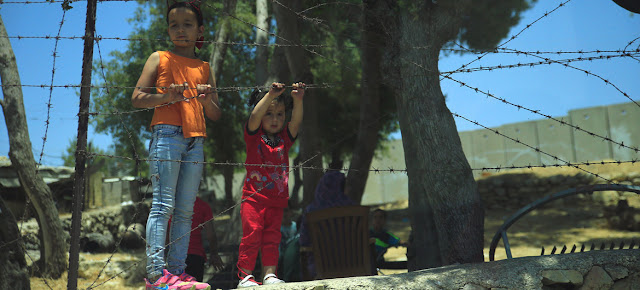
[{"x": 260, "y": 232}]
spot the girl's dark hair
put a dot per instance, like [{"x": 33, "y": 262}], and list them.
[
  {"x": 189, "y": 5},
  {"x": 258, "y": 94}
]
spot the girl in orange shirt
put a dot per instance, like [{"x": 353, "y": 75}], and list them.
[{"x": 185, "y": 94}]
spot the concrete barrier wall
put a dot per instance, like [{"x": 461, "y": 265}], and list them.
[
  {"x": 617, "y": 122},
  {"x": 558, "y": 144}
]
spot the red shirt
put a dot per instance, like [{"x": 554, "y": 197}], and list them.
[
  {"x": 201, "y": 214},
  {"x": 267, "y": 185}
]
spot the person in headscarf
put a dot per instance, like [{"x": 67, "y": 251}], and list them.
[{"x": 329, "y": 193}]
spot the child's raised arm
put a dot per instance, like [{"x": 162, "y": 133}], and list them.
[
  {"x": 296, "y": 115},
  {"x": 210, "y": 101},
  {"x": 144, "y": 95},
  {"x": 261, "y": 108}
]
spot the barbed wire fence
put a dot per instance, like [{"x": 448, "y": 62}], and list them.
[{"x": 593, "y": 55}]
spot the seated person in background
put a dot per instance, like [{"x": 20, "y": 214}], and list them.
[
  {"x": 196, "y": 255},
  {"x": 329, "y": 193},
  {"x": 289, "y": 261},
  {"x": 382, "y": 240}
]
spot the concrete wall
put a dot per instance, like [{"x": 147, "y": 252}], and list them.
[
  {"x": 486, "y": 149},
  {"x": 617, "y": 122}
]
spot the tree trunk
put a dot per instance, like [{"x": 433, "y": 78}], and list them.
[
  {"x": 217, "y": 58},
  {"x": 371, "y": 46},
  {"x": 227, "y": 174},
  {"x": 447, "y": 217},
  {"x": 13, "y": 268},
  {"x": 222, "y": 36},
  {"x": 298, "y": 61},
  {"x": 262, "y": 39},
  {"x": 52, "y": 257},
  {"x": 294, "y": 199}
]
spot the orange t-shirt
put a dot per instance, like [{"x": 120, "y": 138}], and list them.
[{"x": 175, "y": 69}]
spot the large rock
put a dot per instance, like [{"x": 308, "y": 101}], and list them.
[
  {"x": 597, "y": 279},
  {"x": 133, "y": 237},
  {"x": 552, "y": 277}
]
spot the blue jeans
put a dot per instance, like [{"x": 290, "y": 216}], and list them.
[{"x": 175, "y": 185}]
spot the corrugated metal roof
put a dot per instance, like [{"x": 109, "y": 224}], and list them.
[{"x": 50, "y": 174}]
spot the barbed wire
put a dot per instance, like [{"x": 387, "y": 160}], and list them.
[
  {"x": 279, "y": 37},
  {"x": 502, "y": 50},
  {"x": 537, "y": 112},
  {"x": 546, "y": 14},
  {"x": 630, "y": 43},
  {"x": 313, "y": 20},
  {"x": 218, "y": 89},
  {"x": 606, "y": 81},
  {"x": 101, "y": 38},
  {"x": 562, "y": 122},
  {"x": 328, "y": 3},
  {"x": 137, "y": 160},
  {"x": 497, "y": 50},
  {"x": 44, "y": 141},
  {"x": 373, "y": 169},
  {"x": 568, "y": 164},
  {"x": 61, "y": 1},
  {"x": 543, "y": 62},
  {"x": 536, "y": 149}
]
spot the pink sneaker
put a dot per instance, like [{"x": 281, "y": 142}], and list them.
[
  {"x": 189, "y": 280},
  {"x": 165, "y": 282}
]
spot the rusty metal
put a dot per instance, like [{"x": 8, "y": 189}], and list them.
[{"x": 502, "y": 231}]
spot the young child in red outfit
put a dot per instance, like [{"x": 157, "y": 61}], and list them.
[{"x": 265, "y": 192}]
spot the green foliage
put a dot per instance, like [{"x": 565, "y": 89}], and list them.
[
  {"x": 338, "y": 64},
  {"x": 490, "y": 21},
  {"x": 108, "y": 166}
]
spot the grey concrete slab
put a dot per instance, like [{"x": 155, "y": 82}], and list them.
[
  {"x": 555, "y": 139},
  {"x": 624, "y": 125},
  {"x": 593, "y": 120},
  {"x": 523, "y": 153},
  {"x": 489, "y": 150}
]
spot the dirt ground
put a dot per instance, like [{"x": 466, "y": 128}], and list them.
[
  {"x": 550, "y": 226},
  {"x": 542, "y": 228}
]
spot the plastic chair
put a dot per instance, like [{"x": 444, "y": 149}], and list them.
[{"x": 340, "y": 241}]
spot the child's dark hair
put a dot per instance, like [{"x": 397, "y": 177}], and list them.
[
  {"x": 258, "y": 94},
  {"x": 193, "y": 5}
]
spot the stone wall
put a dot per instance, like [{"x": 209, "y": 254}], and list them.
[
  {"x": 516, "y": 189},
  {"x": 617, "y": 270},
  {"x": 104, "y": 226}
]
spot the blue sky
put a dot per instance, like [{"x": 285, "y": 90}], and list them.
[{"x": 553, "y": 89}]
